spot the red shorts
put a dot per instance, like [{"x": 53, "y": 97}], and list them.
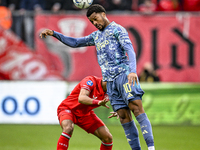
[{"x": 89, "y": 123}]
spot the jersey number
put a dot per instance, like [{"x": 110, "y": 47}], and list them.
[{"x": 127, "y": 87}]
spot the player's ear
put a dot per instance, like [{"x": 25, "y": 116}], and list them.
[{"x": 103, "y": 14}]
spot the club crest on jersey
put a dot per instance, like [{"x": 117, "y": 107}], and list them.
[
  {"x": 90, "y": 83},
  {"x": 68, "y": 111}
]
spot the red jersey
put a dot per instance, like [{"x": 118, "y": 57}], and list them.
[{"x": 93, "y": 85}]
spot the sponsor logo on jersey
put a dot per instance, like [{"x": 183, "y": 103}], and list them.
[
  {"x": 90, "y": 83},
  {"x": 68, "y": 111}
]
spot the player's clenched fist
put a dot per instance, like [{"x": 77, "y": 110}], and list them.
[{"x": 45, "y": 33}]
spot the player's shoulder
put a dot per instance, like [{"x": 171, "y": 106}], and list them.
[
  {"x": 91, "y": 80},
  {"x": 117, "y": 28},
  {"x": 93, "y": 34}
]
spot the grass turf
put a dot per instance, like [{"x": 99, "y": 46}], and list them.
[{"x": 44, "y": 137}]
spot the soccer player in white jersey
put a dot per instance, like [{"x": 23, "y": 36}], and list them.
[{"x": 119, "y": 71}]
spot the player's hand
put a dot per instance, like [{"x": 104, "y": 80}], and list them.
[
  {"x": 114, "y": 114},
  {"x": 103, "y": 103},
  {"x": 132, "y": 78},
  {"x": 45, "y": 33}
]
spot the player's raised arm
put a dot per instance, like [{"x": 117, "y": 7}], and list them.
[
  {"x": 46, "y": 32},
  {"x": 69, "y": 41}
]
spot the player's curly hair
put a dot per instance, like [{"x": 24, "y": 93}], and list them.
[{"x": 95, "y": 8}]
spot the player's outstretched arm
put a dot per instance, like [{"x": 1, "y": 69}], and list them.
[{"x": 46, "y": 32}]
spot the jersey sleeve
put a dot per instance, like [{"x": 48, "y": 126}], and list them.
[
  {"x": 87, "y": 84},
  {"x": 132, "y": 58},
  {"x": 122, "y": 35},
  {"x": 70, "y": 41},
  {"x": 90, "y": 39}
]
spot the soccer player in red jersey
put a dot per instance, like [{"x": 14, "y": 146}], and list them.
[{"x": 77, "y": 109}]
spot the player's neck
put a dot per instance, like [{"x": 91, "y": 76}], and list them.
[{"x": 107, "y": 23}]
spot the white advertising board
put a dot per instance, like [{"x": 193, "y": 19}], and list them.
[{"x": 33, "y": 102}]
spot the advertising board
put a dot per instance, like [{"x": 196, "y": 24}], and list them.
[{"x": 31, "y": 102}]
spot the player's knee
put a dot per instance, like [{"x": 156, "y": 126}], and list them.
[
  {"x": 108, "y": 138},
  {"x": 136, "y": 112},
  {"x": 124, "y": 115},
  {"x": 67, "y": 126},
  {"x": 136, "y": 108},
  {"x": 68, "y": 129},
  {"x": 123, "y": 120}
]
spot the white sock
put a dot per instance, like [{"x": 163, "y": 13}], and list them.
[{"x": 151, "y": 148}]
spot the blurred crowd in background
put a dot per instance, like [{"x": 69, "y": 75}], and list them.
[
  {"x": 110, "y": 5},
  {"x": 18, "y": 15}
]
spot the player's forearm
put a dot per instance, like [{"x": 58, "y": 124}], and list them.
[
  {"x": 83, "y": 99},
  {"x": 132, "y": 58},
  {"x": 70, "y": 41}
]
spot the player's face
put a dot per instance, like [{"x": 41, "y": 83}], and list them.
[{"x": 99, "y": 20}]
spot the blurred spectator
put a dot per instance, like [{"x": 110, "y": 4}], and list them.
[
  {"x": 32, "y": 5},
  {"x": 119, "y": 5},
  {"x": 191, "y": 5},
  {"x": 147, "y": 7},
  {"x": 28, "y": 8},
  {"x": 168, "y": 5},
  {"x": 5, "y": 16},
  {"x": 137, "y": 3},
  {"x": 148, "y": 74},
  {"x": 49, "y": 3},
  {"x": 56, "y": 8},
  {"x": 54, "y": 5},
  {"x": 16, "y": 17}
]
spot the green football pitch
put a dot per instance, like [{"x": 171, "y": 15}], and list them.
[
  {"x": 44, "y": 137},
  {"x": 173, "y": 110}
]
